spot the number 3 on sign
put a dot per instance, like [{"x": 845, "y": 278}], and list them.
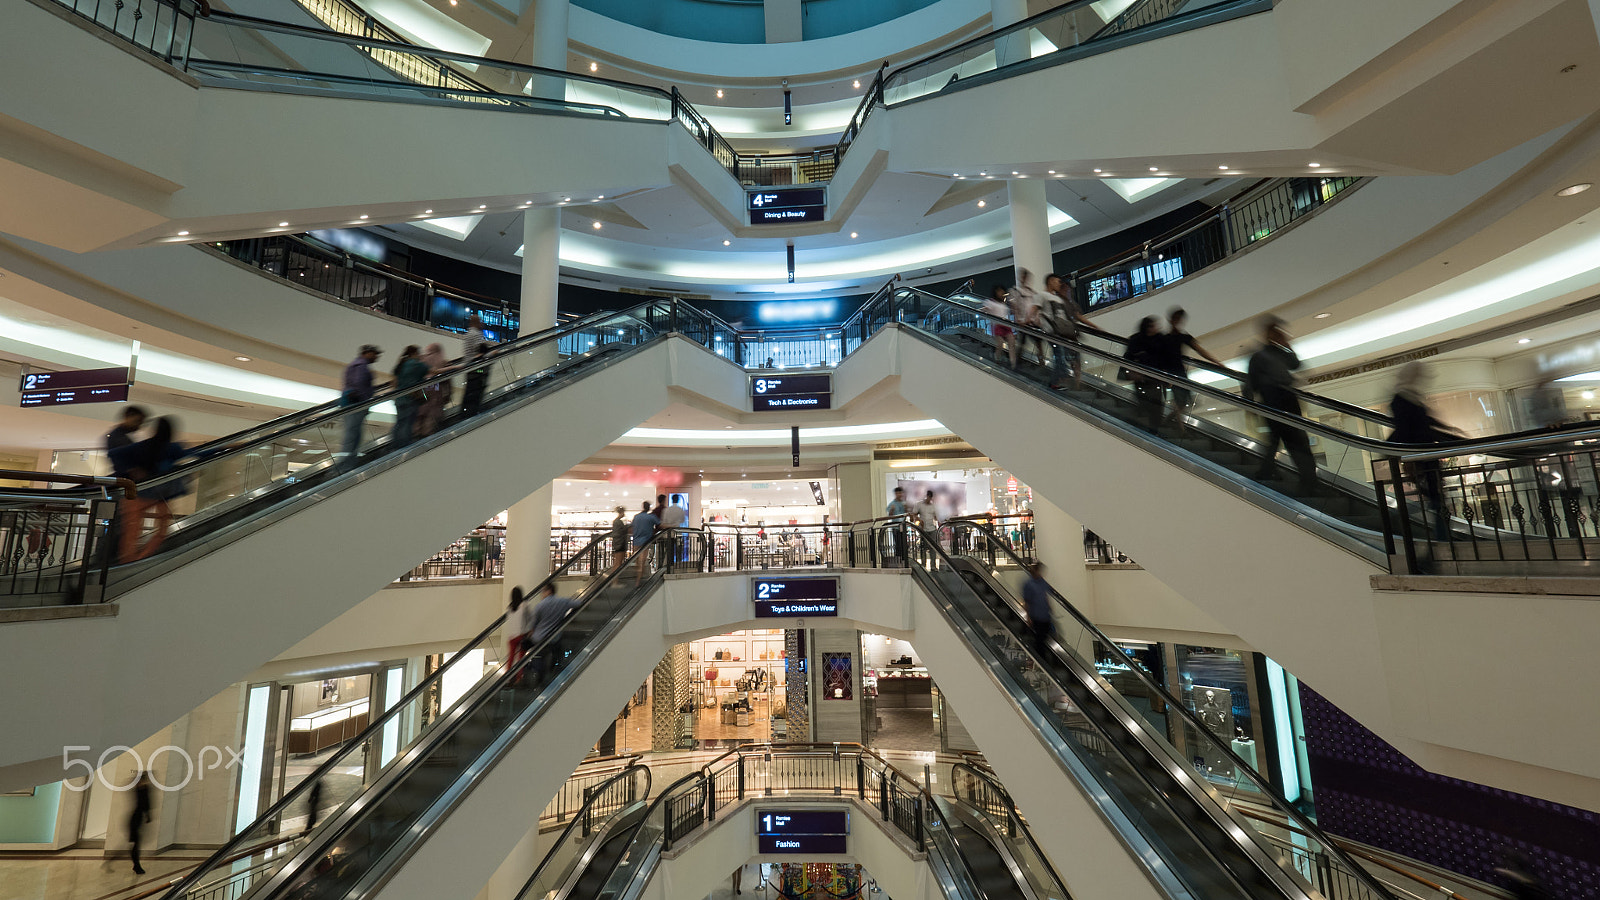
[{"x": 761, "y": 385}]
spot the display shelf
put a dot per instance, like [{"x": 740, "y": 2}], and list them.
[{"x": 319, "y": 730}]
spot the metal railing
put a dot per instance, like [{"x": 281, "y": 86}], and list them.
[
  {"x": 305, "y": 262},
  {"x": 55, "y": 546},
  {"x": 1255, "y": 215},
  {"x": 162, "y": 28}
]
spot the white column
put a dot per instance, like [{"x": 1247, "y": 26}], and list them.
[
  {"x": 550, "y": 46},
  {"x": 1030, "y": 229},
  {"x": 527, "y": 552},
  {"x": 784, "y": 21},
  {"x": 1030, "y": 219}
]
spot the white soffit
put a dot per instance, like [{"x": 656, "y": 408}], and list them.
[{"x": 458, "y": 227}]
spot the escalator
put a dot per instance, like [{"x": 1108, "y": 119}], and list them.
[
  {"x": 488, "y": 740},
  {"x": 1196, "y": 816}
]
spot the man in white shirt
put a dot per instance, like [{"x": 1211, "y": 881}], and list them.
[
  {"x": 927, "y": 515},
  {"x": 675, "y": 516}
]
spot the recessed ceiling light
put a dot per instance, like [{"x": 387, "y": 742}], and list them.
[
  {"x": 1051, "y": 172},
  {"x": 283, "y": 224},
  {"x": 1224, "y": 168},
  {"x": 853, "y": 235},
  {"x": 983, "y": 173},
  {"x": 719, "y": 93},
  {"x": 182, "y": 233},
  {"x": 594, "y": 67},
  {"x": 363, "y": 215},
  {"x": 483, "y": 206},
  {"x": 1016, "y": 173},
  {"x": 726, "y": 243},
  {"x": 982, "y": 204},
  {"x": 1152, "y": 168},
  {"x": 601, "y": 197},
  {"x": 1321, "y": 315},
  {"x": 1572, "y": 189},
  {"x": 597, "y": 225},
  {"x": 1315, "y": 165},
  {"x": 242, "y": 358},
  {"x": 1524, "y": 340},
  {"x": 566, "y": 199},
  {"x": 427, "y": 212},
  {"x": 856, "y": 84},
  {"x": 1097, "y": 170}
]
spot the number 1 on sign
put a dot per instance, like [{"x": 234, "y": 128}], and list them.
[{"x": 768, "y": 820}]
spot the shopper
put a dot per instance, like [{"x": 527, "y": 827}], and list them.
[
  {"x": 927, "y": 514},
  {"x": 313, "y": 805},
  {"x": 1414, "y": 423},
  {"x": 1036, "y": 603},
  {"x": 999, "y": 311},
  {"x": 1149, "y": 391},
  {"x": 619, "y": 538},
  {"x": 644, "y": 529},
  {"x": 897, "y": 524},
  {"x": 121, "y": 436},
  {"x": 673, "y": 519},
  {"x": 357, "y": 391},
  {"x": 1271, "y": 381},
  {"x": 436, "y": 395},
  {"x": 1025, "y": 312},
  {"x": 1066, "y": 320},
  {"x": 545, "y": 624},
  {"x": 1170, "y": 358},
  {"x": 409, "y": 372},
  {"x": 519, "y": 617},
  {"x": 476, "y": 382},
  {"x": 142, "y": 461},
  {"x": 138, "y": 817}
]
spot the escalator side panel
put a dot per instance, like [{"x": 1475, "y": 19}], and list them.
[
  {"x": 289, "y": 578},
  {"x": 473, "y": 839},
  {"x": 1273, "y": 584},
  {"x": 1070, "y": 823}
]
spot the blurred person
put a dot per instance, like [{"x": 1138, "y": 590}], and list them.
[
  {"x": 357, "y": 391},
  {"x": 927, "y": 516},
  {"x": 1271, "y": 380},
  {"x": 1149, "y": 392},
  {"x": 1517, "y": 874},
  {"x": 1414, "y": 423},
  {"x": 519, "y": 621},
  {"x": 313, "y": 805},
  {"x": 896, "y": 510},
  {"x": 1068, "y": 322},
  {"x": 474, "y": 356},
  {"x": 1025, "y": 312},
  {"x": 142, "y": 461},
  {"x": 548, "y": 616},
  {"x": 1170, "y": 358},
  {"x": 1036, "y": 603},
  {"x": 409, "y": 372},
  {"x": 673, "y": 517},
  {"x": 644, "y": 529},
  {"x": 997, "y": 307},
  {"x": 619, "y": 538},
  {"x": 435, "y": 395},
  {"x": 138, "y": 817},
  {"x": 120, "y": 436}
]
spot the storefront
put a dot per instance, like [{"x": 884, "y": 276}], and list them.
[{"x": 737, "y": 687}]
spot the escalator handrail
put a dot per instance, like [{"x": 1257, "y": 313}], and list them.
[
  {"x": 1388, "y": 449},
  {"x": 241, "y": 442},
  {"x": 1011, "y": 811},
  {"x": 1183, "y": 712},
  {"x": 577, "y": 817},
  {"x": 327, "y": 34},
  {"x": 373, "y": 729},
  {"x": 1340, "y": 406}
]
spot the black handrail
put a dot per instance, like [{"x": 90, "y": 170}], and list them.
[
  {"x": 580, "y": 817},
  {"x": 1149, "y": 683},
  {"x": 1013, "y": 816},
  {"x": 373, "y": 729}
]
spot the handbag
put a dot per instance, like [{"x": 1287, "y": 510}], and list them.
[{"x": 711, "y": 675}]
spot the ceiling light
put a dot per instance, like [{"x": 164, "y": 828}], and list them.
[
  {"x": 566, "y": 199},
  {"x": 594, "y": 67},
  {"x": 1051, "y": 172},
  {"x": 242, "y": 358},
  {"x": 1315, "y": 165},
  {"x": 1016, "y": 173},
  {"x": 363, "y": 215},
  {"x": 1321, "y": 315},
  {"x": 856, "y": 84},
  {"x": 982, "y": 204},
  {"x": 601, "y": 197},
  {"x": 1572, "y": 189},
  {"x": 1524, "y": 340},
  {"x": 726, "y": 243},
  {"x": 597, "y": 225},
  {"x": 283, "y": 224},
  {"x": 183, "y": 234},
  {"x": 983, "y": 173},
  {"x": 1587, "y": 395},
  {"x": 427, "y": 212},
  {"x": 1097, "y": 170},
  {"x": 719, "y": 93},
  {"x": 853, "y": 235},
  {"x": 483, "y": 206},
  {"x": 1222, "y": 167}
]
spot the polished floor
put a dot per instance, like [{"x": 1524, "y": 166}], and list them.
[{"x": 88, "y": 875}]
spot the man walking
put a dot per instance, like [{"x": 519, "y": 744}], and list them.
[
  {"x": 357, "y": 391},
  {"x": 474, "y": 347},
  {"x": 644, "y": 529},
  {"x": 1271, "y": 381},
  {"x": 1036, "y": 603},
  {"x": 897, "y": 512}
]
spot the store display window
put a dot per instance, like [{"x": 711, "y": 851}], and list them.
[
  {"x": 737, "y": 686},
  {"x": 1217, "y": 686}
]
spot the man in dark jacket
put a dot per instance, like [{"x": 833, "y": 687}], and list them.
[
  {"x": 549, "y": 616},
  {"x": 1036, "y": 603},
  {"x": 357, "y": 390},
  {"x": 1272, "y": 381}
]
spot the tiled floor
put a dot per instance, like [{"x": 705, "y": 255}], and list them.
[
  {"x": 87, "y": 875},
  {"x": 906, "y": 729}
]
